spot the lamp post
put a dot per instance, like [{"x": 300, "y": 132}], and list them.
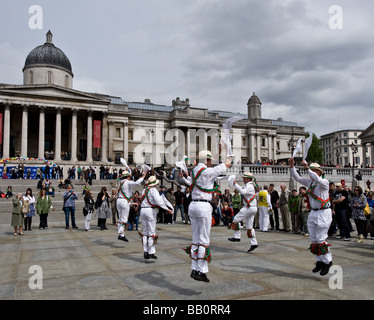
[{"x": 354, "y": 151}]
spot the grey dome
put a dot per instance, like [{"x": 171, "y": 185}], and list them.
[
  {"x": 254, "y": 99},
  {"x": 48, "y": 55}
]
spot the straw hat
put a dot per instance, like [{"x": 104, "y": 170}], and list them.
[
  {"x": 248, "y": 175},
  {"x": 205, "y": 154},
  {"x": 316, "y": 166},
  {"x": 152, "y": 181}
]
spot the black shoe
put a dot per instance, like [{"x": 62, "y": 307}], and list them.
[
  {"x": 199, "y": 276},
  {"x": 325, "y": 268},
  {"x": 233, "y": 239},
  {"x": 67, "y": 227},
  {"x": 75, "y": 227},
  {"x": 123, "y": 238},
  {"x": 252, "y": 248},
  {"x": 193, "y": 274},
  {"x": 146, "y": 255},
  {"x": 152, "y": 256},
  {"x": 318, "y": 267}
]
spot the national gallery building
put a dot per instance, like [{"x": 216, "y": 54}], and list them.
[{"x": 46, "y": 118}]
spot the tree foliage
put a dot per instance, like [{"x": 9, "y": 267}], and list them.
[{"x": 315, "y": 153}]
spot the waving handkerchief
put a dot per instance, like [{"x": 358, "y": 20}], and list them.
[
  {"x": 298, "y": 148},
  {"x": 308, "y": 143},
  {"x": 145, "y": 168},
  {"x": 124, "y": 163},
  {"x": 227, "y": 136},
  {"x": 232, "y": 179},
  {"x": 182, "y": 164}
]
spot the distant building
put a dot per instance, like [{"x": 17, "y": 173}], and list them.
[
  {"x": 46, "y": 117},
  {"x": 346, "y": 148}
]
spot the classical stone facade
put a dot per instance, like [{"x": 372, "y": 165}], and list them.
[{"x": 46, "y": 114}]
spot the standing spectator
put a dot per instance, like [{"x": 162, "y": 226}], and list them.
[
  {"x": 113, "y": 205},
  {"x": 46, "y": 172},
  {"x": 89, "y": 208},
  {"x": 283, "y": 206},
  {"x": 264, "y": 208},
  {"x": 17, "y": 216},
  {"x": 69, "y": 198},
  {"x": 227, "y": 197},
  {"x": 358, "y": 203},
  {"x": 179, "y": 197},
  {"x": 161, "y": 214},
  {"x": 43, "y": 204},
  {"x": 21, "y": 170},
  {"x": 293, "y": 208},
  {"x": 236, "y": 202},
  {"x": 274, "y": 196},
  {"x": 168, "y": 218},
  {"x": 134, "y": 219},
  {"x": 103, "y": 211},
  {"x": 304, "y": 210},
  {"x": 186, "y": 204},
  {"x": 31, "y": 199},
  {"x": 369, "y": 226},
  {"x": 340, "y": 206}
]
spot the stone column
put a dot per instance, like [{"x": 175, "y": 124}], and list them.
[
  {"x": 24, "y": 139},
  {"x": 274, "y": 147},
  {"x": 57, "y": 151},
  {"x": 258, "y": 142},
  {"x": 6, "y": 132},
  {"x": 110, "y": 138},
  {"x": 270, "y": 140},
  {"x": 74, "y": 136},
  {"x": 104, "y": 139},
  {"x": 41, "y": 132},
  {"x": 251, "y": 149},
  {"x": 89, "y": 137}
]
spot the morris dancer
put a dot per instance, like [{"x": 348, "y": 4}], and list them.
[
  {"x": 247, "y": 212},
  {"x": 123, "y": 202},
  {"x": 151, "y": 200},
  {"x": 200, "y": 212},
  {"x": 320, "y": 216}
]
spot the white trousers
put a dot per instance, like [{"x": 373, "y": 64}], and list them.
[
  {"x": 200, "y": 214},
  {"x": 87, "y": 221},
  {"x": 263, "y": 218},
  {"x": 318, "y": 225},
  {"x": 148, "y": 219},
  {"x": 123, "y": 208},
  {"x": 247, "y": 215}
]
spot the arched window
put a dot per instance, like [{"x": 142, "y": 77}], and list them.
[
  {"x": 49, "y": 77},
  {"x": 31, "y": 77}
]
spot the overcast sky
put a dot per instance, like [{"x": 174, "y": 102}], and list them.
[{"x": 306, "y": 64}]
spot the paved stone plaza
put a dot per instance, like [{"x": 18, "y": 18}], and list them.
[{"x": 80, "y": 265}]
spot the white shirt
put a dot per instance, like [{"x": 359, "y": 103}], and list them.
[
  {"x": 205, "y": 180},
  {"x": 321, "y": 190},
  {"x": 30, "y": 198},
  {"x": 126, "y": 187},
  {"x": 247, "y": 191},
  {"x": 154, "y": 198}
]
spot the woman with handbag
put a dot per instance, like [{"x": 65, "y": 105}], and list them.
[
  {"x": 31, "y": 209},
  {"x": 43, "y": 204},
  {"x": 17, "y": 215},
  {"x": 358, "y": 204},
  {"x": 89, "y": 207},
  {"x": 103, "y": 209}
]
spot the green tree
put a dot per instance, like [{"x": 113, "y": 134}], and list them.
[{"x": 315, "y": 153}]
